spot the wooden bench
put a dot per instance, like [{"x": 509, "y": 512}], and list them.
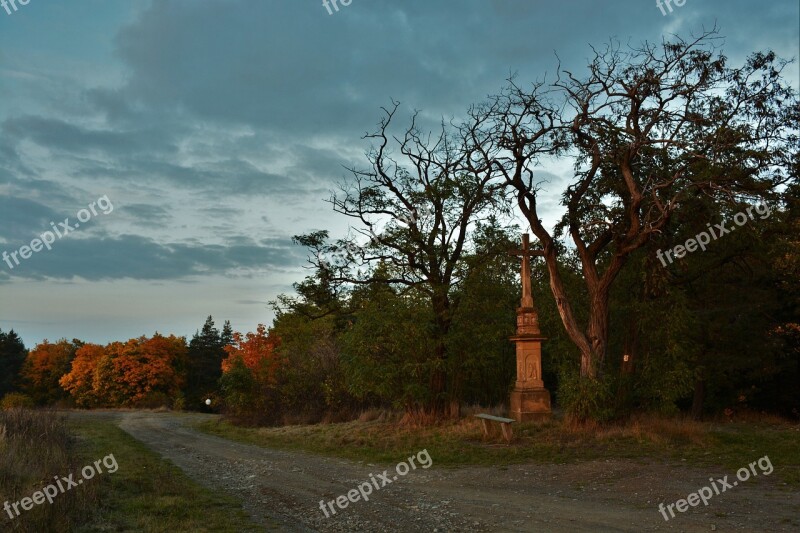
[{"x": 505, "y": 425}]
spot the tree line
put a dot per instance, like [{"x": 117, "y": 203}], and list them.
[{"x": 157, "y": 371}]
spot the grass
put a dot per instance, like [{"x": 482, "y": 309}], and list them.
[
  {"x": 457, "y": 443},
  {"x": 35, "y": 446},
  {"x": 148, "y": 493}
]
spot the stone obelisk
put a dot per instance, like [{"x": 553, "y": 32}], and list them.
[{"x": 529, "y": 399}]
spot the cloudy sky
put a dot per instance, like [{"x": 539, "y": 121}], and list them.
[{"x": 208, "y": 132}]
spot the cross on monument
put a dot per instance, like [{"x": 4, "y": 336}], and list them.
[{"x": 526, "y": 253}]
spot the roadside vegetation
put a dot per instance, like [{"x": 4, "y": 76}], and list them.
[
  {"x": 146, "y": 493},
  {"x": 35, "y": 446},
  {"x": 380, "y": 438}
]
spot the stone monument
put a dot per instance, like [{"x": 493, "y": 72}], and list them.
[{"x": 529, "y": 399}]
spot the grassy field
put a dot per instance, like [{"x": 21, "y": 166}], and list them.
[
  {"x": 728, "y": 444},
  {"x": 145, "y": 493}
]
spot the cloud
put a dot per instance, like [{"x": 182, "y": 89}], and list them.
[
  {"x": 148, "y": 215},
  {"x": 218, "y": 127},
  {"x": 19, "y": 215},
  {"x": 60, "y": 135},
  {"x": 252, "y": 302},
  {"x": 139, "y": 258}
]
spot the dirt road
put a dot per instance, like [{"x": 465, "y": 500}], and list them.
[{"x": 286, "y": 488}]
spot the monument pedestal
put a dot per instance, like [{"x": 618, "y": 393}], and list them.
[
  {"x": 529, "y": 401},
  {"x": 531, "y": 405}
]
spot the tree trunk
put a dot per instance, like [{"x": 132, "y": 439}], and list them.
[
  {"x": 597, "y": 335},
  {"x": 593, "y": 341},
  {"x": 562, "y": 303},
  {"x": 439, "y": 402},
  {"x": 699, "y": 398},
  {"x": 438, "y": 382}
]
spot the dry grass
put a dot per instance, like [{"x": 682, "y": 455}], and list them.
[
  {"x": 645, "y": 428},
  {"x": 749, "y": 416},
  {"x": 472, "y": 410},
  {"x": 35, "y": 446},
  {"x": 377, "y": 415},
  {"x": 383, "y": 437}
]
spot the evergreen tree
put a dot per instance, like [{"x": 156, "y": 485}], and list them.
[
  {"x": 12, "y": 357},
  {"x": 227, "y": 334},
  {"x": 205, "y": 362}
]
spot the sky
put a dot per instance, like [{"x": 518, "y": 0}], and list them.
[{"x": 189, "y": 140}]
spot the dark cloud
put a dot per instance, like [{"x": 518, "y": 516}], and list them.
[
  {"x": 139, "y": 258},
  {"x": 60, "y": 135},
  {"x": 20, "y": 217},
  {"x": 148, "y": 215},
  {"x": 112, "y": 103}
]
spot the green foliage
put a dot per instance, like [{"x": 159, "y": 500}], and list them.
[
  {"x": 12, "y": 357},
  {"x": 204, "y": 363},
  {"x": 44, "y": 366},
  {"x": 16, "y": 400},
  {"x": 586, "y": 399},
  {"x": 733, "y": 297},
  {"x": 481, "y": 358},
  {"x": 238, "y": 387},
  {"x": 311, "y": 383},
  {"x": 653, "y": 329},
  {"x": 388, "y": 351},
  {"x": 179, "y": 402}
]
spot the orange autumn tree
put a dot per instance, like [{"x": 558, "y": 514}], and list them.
[
  {"x": 144, "y": 372},
  {"x": 256, "y": 350},
  {"x": 138, "y": 373},
  {"x": 79, "y": 382},
  {"x": 249, "y": 380}
]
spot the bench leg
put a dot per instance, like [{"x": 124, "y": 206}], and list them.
[
  {"x": 485, "y": 425},
  {"x": 508, "y": 433}
]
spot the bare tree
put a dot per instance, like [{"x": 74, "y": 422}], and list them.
[
  {"x": 646, "y": 128},
  {"x": 414, "y": 217}
]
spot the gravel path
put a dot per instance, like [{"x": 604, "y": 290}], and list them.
[{"x": 286, "y": 488}]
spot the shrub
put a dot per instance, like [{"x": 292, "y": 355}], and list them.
[
  {"x": 16, "y": 400},
  {"x": 586, "y": 399}
]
